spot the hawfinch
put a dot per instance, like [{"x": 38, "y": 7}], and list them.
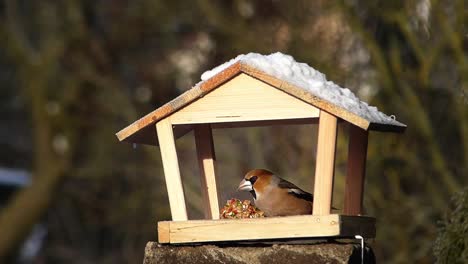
[{"x": 275, "y": 196}]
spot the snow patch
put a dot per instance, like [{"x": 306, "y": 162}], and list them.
[{"x": 284, "y": 67}]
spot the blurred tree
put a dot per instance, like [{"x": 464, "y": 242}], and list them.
[
  {"x": 37, "y": 65},
  {"x": 71, "y": 90},
  {"x": 451, "y": 245},
  {"x": 419, "y": 49}
]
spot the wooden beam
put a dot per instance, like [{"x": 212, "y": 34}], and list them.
[
  {"x": 281, "y": 122},
  {"x": 291, "y": 227},
  {"x": 163, "y": 231},
  {"x": 175, "y": 190},
  {"x": 207, "y": 164},
  {"x": 354, "y": 188},
  {"x": 325, "y": 165}
]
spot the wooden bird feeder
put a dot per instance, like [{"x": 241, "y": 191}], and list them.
[{"x": 241, "y": 94}]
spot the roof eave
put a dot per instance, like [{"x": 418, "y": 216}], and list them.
[
  {"x": 135, "y": 132},
  {"x": 179, "y": 102},
  {"x": 387, "y": 128}
]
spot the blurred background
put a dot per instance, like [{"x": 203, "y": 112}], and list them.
[{"x": 73, "y": 73}]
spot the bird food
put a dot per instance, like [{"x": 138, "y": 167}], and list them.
[{"x": 236, "y": 209}]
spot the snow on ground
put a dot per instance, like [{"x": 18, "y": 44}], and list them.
[{"x": 284, "y": 67}]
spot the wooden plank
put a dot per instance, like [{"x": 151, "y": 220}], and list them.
[
  {"x": 246, "y": 229},
  {"x": 207, "y": 165},
  {"x": 244, "y": 98},
  {"x": 291, "y": 227},
  {"x": 175, "y": 190},
  {"x": 325, "y": 164},
  {"x": 280, "y": 122},
  {"x": 163, "y": 231},
  {"x": 357, "y": 225},
  {"x": 386, "y": 128},
  {"x": 354, "y": 187}
]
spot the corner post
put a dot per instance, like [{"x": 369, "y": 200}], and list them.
[
  {"x": 207, "y": 163},
  {"x": 175, "y": 189},
  {"x": 356, "y": 170},
  {"x": 325, "y": 165}
]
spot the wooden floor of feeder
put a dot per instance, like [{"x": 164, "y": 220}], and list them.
[{"x": 304, "y": 226}]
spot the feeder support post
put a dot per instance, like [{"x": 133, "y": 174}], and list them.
[
  {"x": 325, "y": 165},
  {"x": 175, "y": 190},
  {"x": 207, "y": 163},
  {"x": 356, "y": 171}
]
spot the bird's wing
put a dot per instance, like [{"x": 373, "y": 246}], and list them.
[{"x": 296, "y": 191}]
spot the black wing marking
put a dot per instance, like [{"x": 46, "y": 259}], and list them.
[
  {"x": 296, "y": 191},
  {"x": 301, "y": 194},
  {"x": 286, "y": 185}
]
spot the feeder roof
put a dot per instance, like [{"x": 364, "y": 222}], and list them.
[{"x": 284, "y": 73}]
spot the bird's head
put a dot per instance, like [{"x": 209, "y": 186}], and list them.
[{"x": 255, "y": 180}]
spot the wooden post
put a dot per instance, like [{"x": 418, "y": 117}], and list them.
[
  {"x": 325, "y": 165},
  {"x": 206, "y": 162},
  {"x": 175, "y": 190},
  {"x": 354, "y": 188}
]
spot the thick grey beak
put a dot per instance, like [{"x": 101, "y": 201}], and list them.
[{"x": 245, "y": 186}]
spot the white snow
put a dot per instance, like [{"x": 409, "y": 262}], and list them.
[{"x": 284, "y": 67}]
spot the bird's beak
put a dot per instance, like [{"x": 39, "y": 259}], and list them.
[{"x": 245, "y": 186}]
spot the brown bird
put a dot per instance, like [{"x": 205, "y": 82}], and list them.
[{"x": 274, "y": 195}]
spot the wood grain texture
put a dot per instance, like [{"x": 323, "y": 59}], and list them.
[
  {"x": 207, "y": 164},
  {"x": 132, "y": 132},
  {"x": 356, "y": 170},
  {"x": 163, "y": 232},
  {"x": 304, "y": 226},
  {"x": 241, "y": 99},
  {"x": 175, "y": 190},
  {"x": 325, "y": 164}
]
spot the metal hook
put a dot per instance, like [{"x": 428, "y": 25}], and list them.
[{"x": 362, "y": 247}]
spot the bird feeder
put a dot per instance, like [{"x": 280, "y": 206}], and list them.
[{"x": 257, "y": 90}]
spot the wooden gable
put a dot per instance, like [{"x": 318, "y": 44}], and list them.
[{"x": 244, "y": 98}]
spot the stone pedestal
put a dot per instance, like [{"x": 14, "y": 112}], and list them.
[{"x": 257, "y": 253}]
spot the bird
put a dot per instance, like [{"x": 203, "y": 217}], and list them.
[{"x": 274, "y": 195}]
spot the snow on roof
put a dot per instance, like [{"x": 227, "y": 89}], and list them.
[{"x": 284, "y": 67}]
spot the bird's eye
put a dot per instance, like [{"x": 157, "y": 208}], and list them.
[{"x": 253, "y": 179}]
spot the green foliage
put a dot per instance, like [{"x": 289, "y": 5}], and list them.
[{"x": 451, "y": 246}]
